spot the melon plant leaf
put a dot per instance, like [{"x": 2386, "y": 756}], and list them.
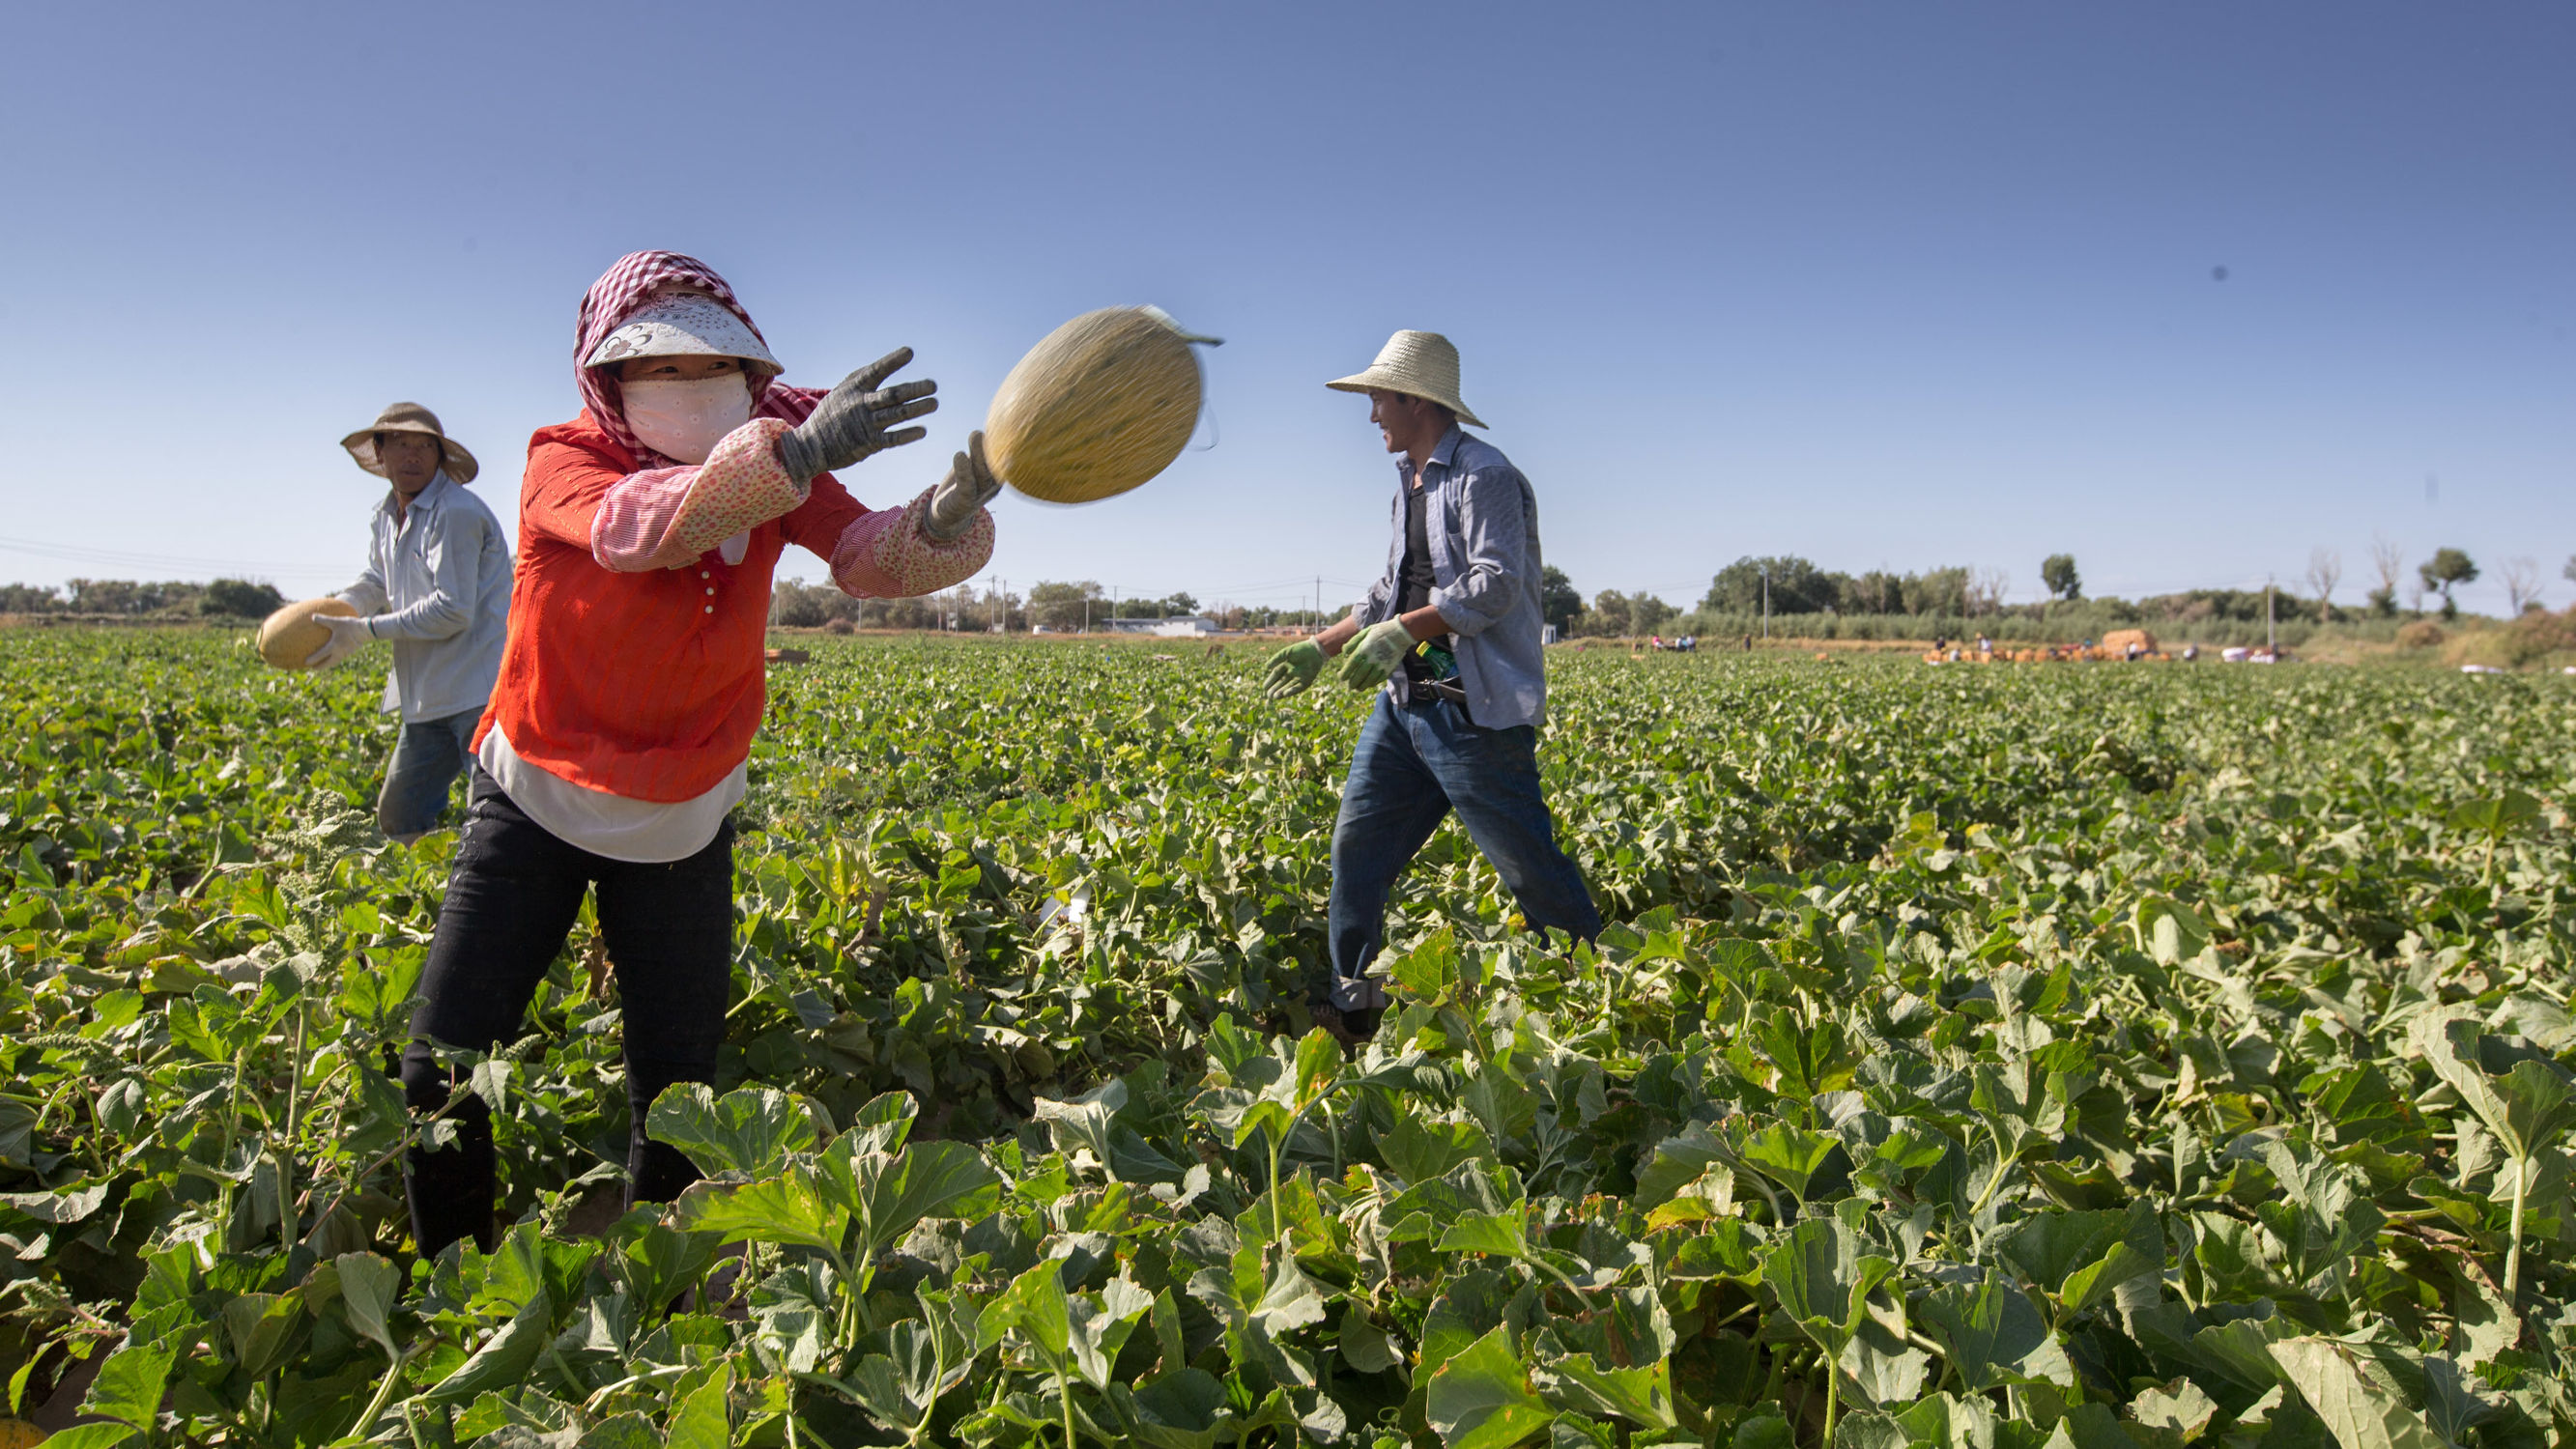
[
  {"x": 88, "y": 1436},
  {"x": 1319, "y": 1064},
  {"x": 789, "y": 1208},
  {"x": 1807, "y": 1061},
  {"x": 1676, "y": 1163},
  {"x": 888, "y": 1195},
  {"x": 1483, "y": 1398},
  {"x": 700, "y": 1421},
  {"x": 1035, "y": 1308},
  {"x": 750, "y": 1130},
  {"x": 1993, "y": 1335},
  {"x": 1823, "y": 1280},
  {"x": 2494, "y": 816},
  {"x": 1099, "y": 1328},
  {"x": 1419, "y": 1150},
  {"x": 2357, "y": 1410},
  {"x": 503, "y": 1360},
  {"x": 1789, "y": 1156},
  {"x": 1182, "y": 1409},
  {"x": 885, "y": 1121},
  {"x": 128, "y": 1386},
  {"x": 1504, "y": 1234},
  {"x": 369, "y": 1286},
  {"x": 1642, "y": 1396},
  {"x": 261, "y": 1328}
]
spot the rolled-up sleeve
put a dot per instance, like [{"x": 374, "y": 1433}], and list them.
[
  {"x": 453, "y": 553},
  {"x": 1378, "y": 604},
  {"x": 1493, "y": 516},
  {"x": 367, "y": 595}
]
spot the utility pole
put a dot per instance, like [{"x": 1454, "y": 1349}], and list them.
[
  {"x": 1319, "y": 601},
  {"x": 1766, "y": 603},
  {"x": 2271, "y": 631}
]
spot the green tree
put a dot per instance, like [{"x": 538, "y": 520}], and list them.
[
  {"x": 2057, "y": 571},
  {"x": 794, "y": 604},
  {"x": 1797, "y": 587},
  {"x": 240, "y": 598},
  {"x": 1609, "y": 615},
  {"x": 1936, "y": 591},
  {"x": 1559, "y": 602},
  {"x": 2445, "y": 569},
  {"x": 1063, "y": 605}
]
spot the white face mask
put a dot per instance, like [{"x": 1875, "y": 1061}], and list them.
[{"x": 685, "y": 419}]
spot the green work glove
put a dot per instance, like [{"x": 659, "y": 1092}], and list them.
[
  {"x": 1294, "y": 668},
  {"x": 1375, "y": 654}
]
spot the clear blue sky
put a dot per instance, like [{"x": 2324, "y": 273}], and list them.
[{"x": 1880, "y": 284}]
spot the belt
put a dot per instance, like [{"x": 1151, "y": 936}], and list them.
[{"x": 1433, "y": 691}]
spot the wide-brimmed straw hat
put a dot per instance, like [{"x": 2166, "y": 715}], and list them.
[
  {"x": 1417, "y": 364},
  {"x": 683, "y": 324},
  {"x": 410, "y": 417}
]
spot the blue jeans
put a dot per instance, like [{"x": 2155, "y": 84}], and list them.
[
  {"x": 1414, "y": 764},
  {"x": 428, "y": 756}
]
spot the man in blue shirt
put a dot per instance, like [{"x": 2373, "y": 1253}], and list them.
[
  {"x": 1452, "y": 628},
  {"x": 437, "y": 583}
]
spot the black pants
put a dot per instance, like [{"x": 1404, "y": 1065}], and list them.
[{"x": 511, "y": 900}]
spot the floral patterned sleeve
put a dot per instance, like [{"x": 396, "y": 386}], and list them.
[
  {"x": 885, "y": 555},
  {"x": 666, "y": 517}
]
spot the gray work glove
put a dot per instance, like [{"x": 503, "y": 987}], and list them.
[
  {"x": 961, "y": 495},
  {"x": 854, "y": 419},
  {"x": 348, "y": 636}
]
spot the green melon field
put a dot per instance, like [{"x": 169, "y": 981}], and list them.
[{"x": 2090, "y": 1056}]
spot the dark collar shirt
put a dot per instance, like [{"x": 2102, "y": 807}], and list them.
[{"x": 1481, "y": 521}]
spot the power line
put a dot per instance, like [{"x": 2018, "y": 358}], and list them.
[{"x": 126, "y": 558}]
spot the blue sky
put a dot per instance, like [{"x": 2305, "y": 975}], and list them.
[{"x": 1887, "y": 285}]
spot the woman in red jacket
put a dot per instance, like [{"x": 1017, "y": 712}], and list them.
[{"x": 649, "y": 527}]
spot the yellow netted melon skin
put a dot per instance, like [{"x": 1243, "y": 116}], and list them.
[
  {"x": 288, "y": 637},
  {"x": 1100, "y": 405}
]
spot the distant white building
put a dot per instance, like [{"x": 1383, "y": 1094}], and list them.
[{"x": 1186, "y": 626}]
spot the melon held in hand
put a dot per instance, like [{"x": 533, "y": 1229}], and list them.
[
  {"x": 288, "y": 637},
  {"x": 1100, "y": 405}
]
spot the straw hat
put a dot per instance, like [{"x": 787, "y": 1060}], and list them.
[
  {"x": 683, "y": 324},
  {"x": 1417, "y": 364},
  {"x": 406, "y": 417}
]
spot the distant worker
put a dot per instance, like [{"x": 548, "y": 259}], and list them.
[
  {"x": 1453, "y": 627},
  {"x": 650, "y": 532},
  {"x": 437, "y": 583}
]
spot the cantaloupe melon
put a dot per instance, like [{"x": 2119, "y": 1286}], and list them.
[
  {"x": 1100, "y": 405},
  {"x": 288, "y": 637}
]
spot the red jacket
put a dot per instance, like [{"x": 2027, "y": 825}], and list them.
[{"x": 646, "y": 685}]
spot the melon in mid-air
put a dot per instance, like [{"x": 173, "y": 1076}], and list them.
[
  {"x": 1101, "y": 404},
  {"x": 288, "y": 637}
]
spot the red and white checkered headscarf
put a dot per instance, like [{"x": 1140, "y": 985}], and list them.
[{"x": 619, "y": 294}]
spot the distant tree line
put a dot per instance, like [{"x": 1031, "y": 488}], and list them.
[{"x": 175, "y": 599}]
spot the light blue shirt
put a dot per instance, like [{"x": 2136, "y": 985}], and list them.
[
  {"x": 1482, "y": 521},
  {"x": 438, "y": 585}
]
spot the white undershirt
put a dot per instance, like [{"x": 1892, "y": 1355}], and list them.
[{"x": 645, "y": 832}]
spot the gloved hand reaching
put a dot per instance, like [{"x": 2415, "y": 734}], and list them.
[
  {"x": 1293, "y": 669},
  {"x": 961, "y": 495},
  {"x": 1370, "y": 658},
  {"x": 347, "y": 634},
  {"x": 853, "y": 420}
]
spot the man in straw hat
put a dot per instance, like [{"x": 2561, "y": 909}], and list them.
[
  {"x": 437, "y": 584},
  {"x": 1453, "y": 627}
]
